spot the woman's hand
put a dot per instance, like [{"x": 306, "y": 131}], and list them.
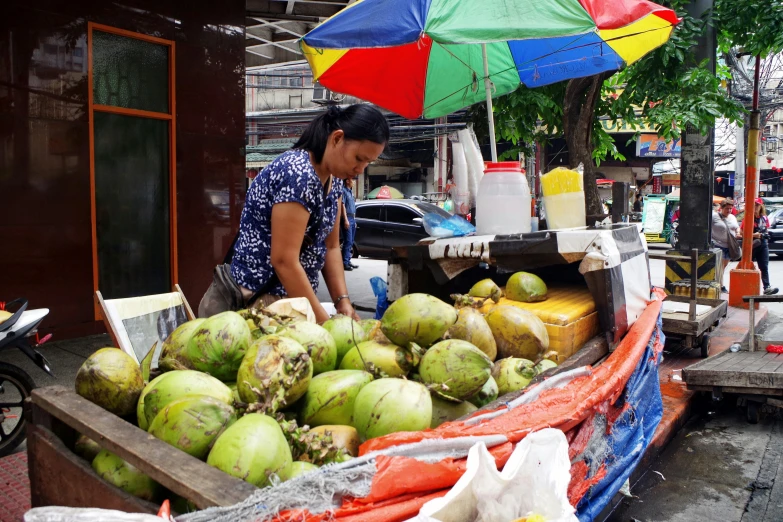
[
  {"x": 346, "y": 308},
  {"x": 757, "y": 235}
]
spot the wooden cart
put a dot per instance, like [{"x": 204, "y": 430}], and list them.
[
  {"x": 58, "y": 477},
  {"x": 753, "y": 374},
  {"x": 693, "y": 329}
]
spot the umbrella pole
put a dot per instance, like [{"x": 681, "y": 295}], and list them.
[{"x": 490, "y": 117}]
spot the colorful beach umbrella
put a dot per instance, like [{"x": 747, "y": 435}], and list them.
[
  {"x": 385, "y": 192},
  {"x": 429, "y": 58}
]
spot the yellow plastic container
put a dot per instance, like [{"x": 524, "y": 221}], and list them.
[{"x": 564, "y": 198}]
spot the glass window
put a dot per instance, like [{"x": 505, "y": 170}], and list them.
[
  {"x": 368, "y": 211},
  {"x": 130, "y": 73},
  {"x": 132, "y": 205},
  {"x": 400, "y": 214}
]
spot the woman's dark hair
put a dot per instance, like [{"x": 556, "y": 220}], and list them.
[{"x": 359, "y": 122}]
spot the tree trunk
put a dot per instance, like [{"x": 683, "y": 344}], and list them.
[{"x": 581, "y": 97}]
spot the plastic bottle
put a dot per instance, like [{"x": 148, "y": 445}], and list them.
[{"x": 503, "y": 203}]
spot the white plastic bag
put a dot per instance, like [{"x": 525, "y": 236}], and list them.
[
  {"x": 534, "y": 481},
  {"x": 67, "y": 514}
]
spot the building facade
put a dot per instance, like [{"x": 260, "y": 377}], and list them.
[{"x": 122, "y": 129}]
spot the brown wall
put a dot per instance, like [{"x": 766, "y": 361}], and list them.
[{"x": 45, "y": 229}]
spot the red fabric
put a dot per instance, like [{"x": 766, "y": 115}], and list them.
[
  {"x": 393, "y": 77},
  {"x": 613, "y": 14},
  {"x": 775, "y": 348},
  {"x": 422, "y": 476},
  {"x": 580, "y": 484}
]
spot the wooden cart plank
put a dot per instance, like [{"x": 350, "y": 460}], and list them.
[
  {"x": 60, "y": 478},
  {"x": 745, "y": 390},
  {"x": 176, "y": 470}
]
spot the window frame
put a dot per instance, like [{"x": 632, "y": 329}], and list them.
[{"x": 170, "y": 117}]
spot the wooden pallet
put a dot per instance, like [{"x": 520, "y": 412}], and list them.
[{"x": 756, "y": 372}]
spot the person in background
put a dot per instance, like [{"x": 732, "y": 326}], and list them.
[
  {"x": 637, "y": 204},
  {"x": 676, "y": 214},
  {"x": 723, "y": 224},
  {"x": 761, "y": 244},
  {"x": 349, "y": 223}
]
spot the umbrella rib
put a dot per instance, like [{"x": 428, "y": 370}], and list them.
[{"x": 517, "y": 67}]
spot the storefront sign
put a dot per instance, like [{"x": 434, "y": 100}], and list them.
[
  {"x": 671, "y": 180},
  {"x": 657, "y": 185},
  {"x": 653, "y": 146}
]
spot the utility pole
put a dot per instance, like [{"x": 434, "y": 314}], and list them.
[
  {"x": 696, "y": 181},
  {"x": 746, "y": 279}
]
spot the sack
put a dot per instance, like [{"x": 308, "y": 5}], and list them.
[
  {"x": 222, "y": 295},
  {"x": 534, "y": 481}
]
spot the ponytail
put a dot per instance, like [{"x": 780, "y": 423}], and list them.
[{"x": 358, "y": 122}]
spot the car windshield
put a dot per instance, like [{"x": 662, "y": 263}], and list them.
[{"x": 429, "y": 208}]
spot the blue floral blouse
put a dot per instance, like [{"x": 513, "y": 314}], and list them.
[{"x": 289, "y": 178}]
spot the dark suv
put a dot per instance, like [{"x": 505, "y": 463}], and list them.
[{"x": 382, "y": 224}]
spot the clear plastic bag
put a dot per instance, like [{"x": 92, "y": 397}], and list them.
[
  {"x": 67, "y": 514},
  {"x": 534, "y": 482}
]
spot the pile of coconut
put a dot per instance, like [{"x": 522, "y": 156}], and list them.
[{"x": 266, "y": 397}]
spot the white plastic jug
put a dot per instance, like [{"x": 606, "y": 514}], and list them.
[{"x": 503, "y": 203}]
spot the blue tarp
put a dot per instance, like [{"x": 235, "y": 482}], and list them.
[{"x": 631, "y": 433}]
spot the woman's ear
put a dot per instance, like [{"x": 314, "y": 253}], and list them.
[{"x": 337, "y": 137}]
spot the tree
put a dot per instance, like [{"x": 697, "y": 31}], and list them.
[{"x": 666, "y": 89}]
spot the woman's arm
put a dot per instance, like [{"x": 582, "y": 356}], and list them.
[
  {"x": 333, "y": 271},
  {"x": 289, "y": 222}
]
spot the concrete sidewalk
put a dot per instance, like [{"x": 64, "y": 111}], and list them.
[{"x": 678, "y": 401}]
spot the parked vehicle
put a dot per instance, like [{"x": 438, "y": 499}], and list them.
[
  {"x": 384, "y": 224},
  {"x": 776, "y": 232},
  {"x": 16, "y": 331}
]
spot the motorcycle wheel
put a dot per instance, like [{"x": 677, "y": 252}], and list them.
[{"x": 15, "y": 386}]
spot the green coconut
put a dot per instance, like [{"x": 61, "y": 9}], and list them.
[
  {"x": 172, "y": 354},
  {"x": 513, "y": 374},
  {"x": 447, "y": 411},
  {"x": 486, "y": 288},
  {"x": 346, "y": 333},
  {"x": 296, "y": 469},
  {"x": 193, "y": 423},
  {"x": 526, "y": 288},
  {"x": 544, "y": 365},
  {"x": 218, "y": 345},
  {"x": 331, "y": 396},
  {"x": 276, "y": 367},
  {"x": 252, "y": 449},
  {"x": 391, "y": 405},
  {"x": 517, "y": 332},
  {"x": 372, "y": 356},
  {"x": 111, "y": 379},
  {"x": 317, "y": 341},
  {"x": 128, "y": 478},
  {"x": 473, "y": 328},
  {"x": 456, "y": 367},
  {"x": 86, "y": 448},
  {"x": 341, "y": 437},
  {"x": 177, "y": 384},
  {"x": 417, "y": 318},
  {"x": 373, "y": 332},
  {"x": 487, "y": 394},
  {"x": 141, "y": 417}
]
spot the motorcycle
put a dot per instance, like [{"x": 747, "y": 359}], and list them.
[
  {"x": 18, "y": 331},
  {"x": 674, "y": 235}
]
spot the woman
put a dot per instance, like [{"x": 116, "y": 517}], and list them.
[
  {"x": 761, "y": 244},
  {"x": 289, "y": 230},
  {"x": 723, "y": 224}
]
